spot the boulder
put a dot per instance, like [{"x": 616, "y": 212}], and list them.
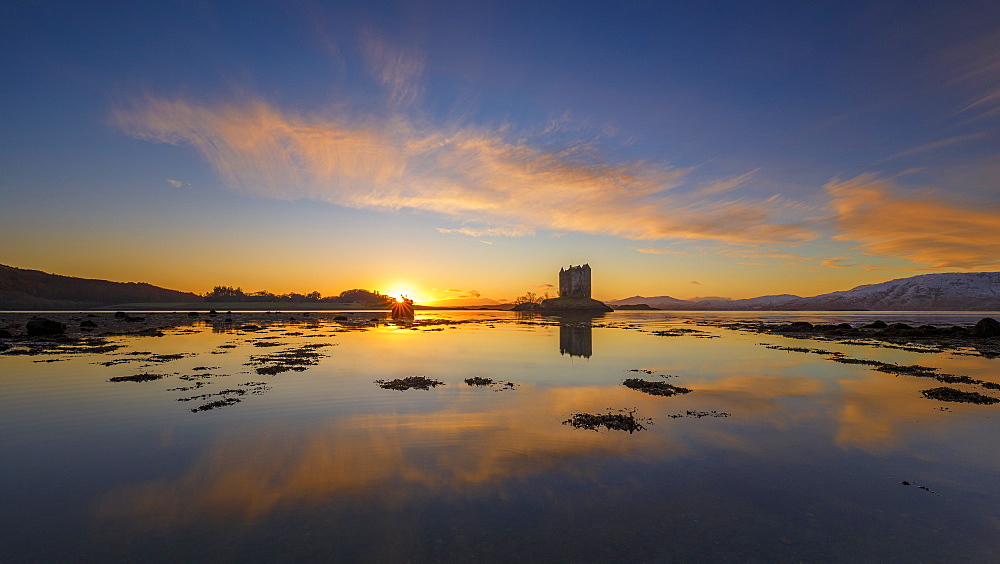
[
  {"x": 987, "y": 327},
  {"x": 40, "y": 327},
  {"x": 878, "y": 324}
]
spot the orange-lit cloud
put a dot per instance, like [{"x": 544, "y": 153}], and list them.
[
  {"x": 471, "y": 174},
  {"x": 835, "y": 263},
  {"x": 921, "y": 227},
  {"x": 511, "y": 231}
]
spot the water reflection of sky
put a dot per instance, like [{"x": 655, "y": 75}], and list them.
[{"x": 326, "y": 464}]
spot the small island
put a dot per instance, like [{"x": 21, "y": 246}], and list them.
[{"x": 574, "y": 294}]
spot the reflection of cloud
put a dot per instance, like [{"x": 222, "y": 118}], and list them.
[
  {"x": 473, "y": 174},
  {"x": 922, "y": 228},
  {"x": 385, "y": 457}
]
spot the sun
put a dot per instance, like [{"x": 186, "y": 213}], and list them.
[{"x": 399, "y": 293}]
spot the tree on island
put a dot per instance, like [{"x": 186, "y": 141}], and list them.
[{"x": 530, "y": 298}]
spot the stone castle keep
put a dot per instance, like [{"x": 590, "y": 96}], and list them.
[{"x": 574, "y": 282}]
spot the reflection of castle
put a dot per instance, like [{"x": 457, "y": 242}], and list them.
[
  {"x": 575, "y": 338},
  {"x": 574, "y": 282}
]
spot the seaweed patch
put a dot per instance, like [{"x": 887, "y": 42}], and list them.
[
  {"x": 623, "y": 420},
  {"x": 654, "y": 388}
]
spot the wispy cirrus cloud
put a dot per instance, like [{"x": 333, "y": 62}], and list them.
[
  {"x": 503, "y": 231},
  {"x": 923, "y": 227},
  {"x": 475, "y": 174},
  {"x": 397, "y": 70}
]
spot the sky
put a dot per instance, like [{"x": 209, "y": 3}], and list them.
[{"x": 469, "y": 150}]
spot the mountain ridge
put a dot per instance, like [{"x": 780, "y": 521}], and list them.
[
  {"x": 947, "y": 291},
  {"x": 26, "y": 289}
]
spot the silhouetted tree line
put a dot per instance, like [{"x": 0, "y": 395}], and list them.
[{"x": 357, "y": 295}]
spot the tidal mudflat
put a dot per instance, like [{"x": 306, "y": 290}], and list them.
[{"x": 628, "y": 436}]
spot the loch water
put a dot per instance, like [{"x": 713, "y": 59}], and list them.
[{"x": 774, "y": 455}]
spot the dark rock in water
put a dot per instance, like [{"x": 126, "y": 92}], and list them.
[
  {"x": 120, "y": 315},
  {"x": 986, "y": 327},
  {"x": 87, "y": 324},
  {"x": 654, "y": 388},
  {"x": 149, "y": 332},
  {"x": 306, "y": 314},
  {"x": 192, "y": 314},
  {"x": 39, "y": 326},
  {"x": 845, "y": 326},
  {"x": 5, "y": 334},
  {"x": 213, "y": 312},
  {"x": 878, "y": 324},
  {"x": 408, "y": 383},
  {"x": 250, "y": 327},
  {"x": 945, "y": 393},
  {"x": 624, "y": 420},
  {"x": 340, "y": 318},
  {"x": 137, "y": 378},
  {"x": 899, "y": 327},
  {"x": 797, "y": 327}
]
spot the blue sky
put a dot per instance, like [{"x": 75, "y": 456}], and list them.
[{"x": 456, "y": 149}]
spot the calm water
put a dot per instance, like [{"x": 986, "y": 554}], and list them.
[{"x": 323, "y": 464}]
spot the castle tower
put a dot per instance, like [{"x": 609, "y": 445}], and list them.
[{"x": 574, "y": 282}]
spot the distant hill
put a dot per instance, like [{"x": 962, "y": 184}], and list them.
[
  {"x": 950, "y": 291},
  {"x": 34, "y": 289}
]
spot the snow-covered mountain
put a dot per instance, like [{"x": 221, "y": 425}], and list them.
[{"x": 965, "y": 291}]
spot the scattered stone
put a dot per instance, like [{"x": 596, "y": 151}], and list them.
[
  {"x": 138, "y": 378},
  {"x": 42, "y": 327},
  {"x": 624, "y": 420},
  {"x": 945, "y": 393},
  {"x": 654, "y": 388},
  {"x": 410, "y": 382}
]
